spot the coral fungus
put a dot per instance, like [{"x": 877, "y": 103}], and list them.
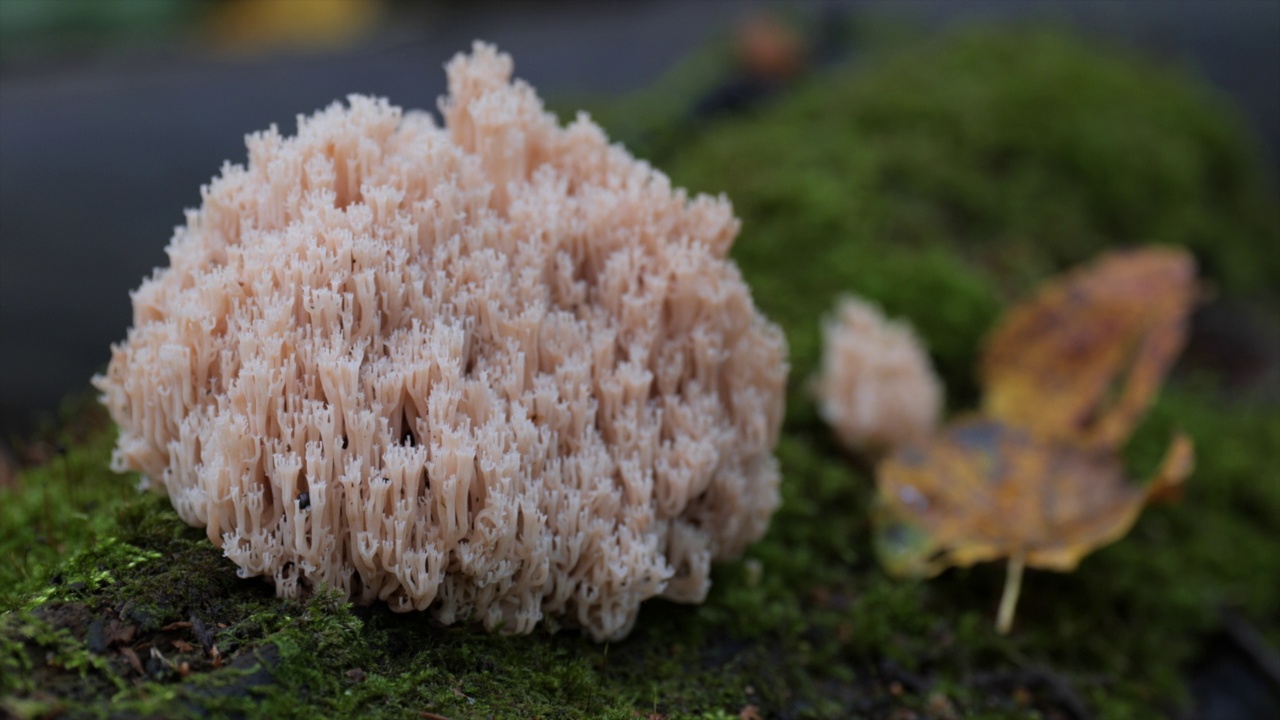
[
  {"x": 876, "y": 388},
  {"x": 496, "y": 369}
]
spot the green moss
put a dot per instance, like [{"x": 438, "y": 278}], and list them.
[
  {"x": 806, "y": 624},
  {"x": 60, "y": 506},
  {"x": 938, "y": 183},
  {"x": 969, "y": 168},
  {"x": 1020, "y": 152}
]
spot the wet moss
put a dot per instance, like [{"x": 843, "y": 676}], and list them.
[{"x": 805, "y": 626}]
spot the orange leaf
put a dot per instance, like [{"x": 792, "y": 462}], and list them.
[
  {"x": 983, "y": 490},
  {"x": 1083, "y": 359}
]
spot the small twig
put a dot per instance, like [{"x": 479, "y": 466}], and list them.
[{"x": 1009, "y": 600}]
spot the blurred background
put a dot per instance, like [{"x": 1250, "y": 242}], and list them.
[{"x": 961, "y": 149}]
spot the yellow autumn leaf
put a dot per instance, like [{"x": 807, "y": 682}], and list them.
[
  {"x": 1083, "y": 359},
  {"x": 982, "y": 490},
  {"x": 1036, "y": 478}
]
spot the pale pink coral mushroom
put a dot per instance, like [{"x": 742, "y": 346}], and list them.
[
  {"x": 876, "y": 387},
  {"x": 497, "y": 369}
]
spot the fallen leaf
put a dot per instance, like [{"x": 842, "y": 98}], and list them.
[
  {"x": 1083, "y": 359},
  {"x": 119, "y": 633},
  {"x": 982, "y": 490},
  {"x": 1036, "y": 478},
  {"x": 132, "y": 658}
]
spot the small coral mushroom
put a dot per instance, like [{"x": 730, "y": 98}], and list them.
[
  {"x": 876, "y": 387},
  {"x": 497, "y": 369}
]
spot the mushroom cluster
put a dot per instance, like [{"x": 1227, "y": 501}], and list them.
[{"x": 497, "y": 369}]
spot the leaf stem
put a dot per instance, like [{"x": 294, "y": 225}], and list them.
[{"x": 1012, "y": 586}]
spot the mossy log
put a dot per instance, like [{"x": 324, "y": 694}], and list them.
[{"x": 940, "y": 180}]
